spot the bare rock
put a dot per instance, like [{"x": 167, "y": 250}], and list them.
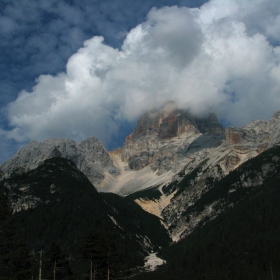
[
  {"x": 89, "y": 156},
  {"x": 163, "y": 138}
]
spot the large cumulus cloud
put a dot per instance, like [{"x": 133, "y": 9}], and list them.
[{"x": 215, "y": 58}]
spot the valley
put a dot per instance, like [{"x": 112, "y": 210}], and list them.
[{"x": 175, "y": 178}]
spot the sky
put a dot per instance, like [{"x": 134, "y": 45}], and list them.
[{"x": 80, "y": 68}]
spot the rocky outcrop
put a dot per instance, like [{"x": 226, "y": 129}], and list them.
[
  {"x": 274, "y": 129},
  {"x": 163, "y": 138},
  {"x": 170, "y": 122},
  {"x": 203, "y": 195},
  {"x": 208, "y": 163},
  {"x": 90, "y": 157},
  {"x": 256, "y": 133}
]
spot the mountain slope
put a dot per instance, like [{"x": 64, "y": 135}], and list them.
[
  {"x": 55, "y": 202},
  {"x": 165, "y": 142},
  {"x": 52, "y": 201},
  {"x": 243, "y": 241},
  {"x": 206, "y": 167},
  {"x": 89, "y": 156}
]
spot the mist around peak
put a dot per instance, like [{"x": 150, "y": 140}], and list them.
[{"x": 215, "y": 58}]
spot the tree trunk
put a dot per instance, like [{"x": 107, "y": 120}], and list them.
[
  {"x": 90, "y": 269},
  {"x": 94, "y": 272},
  {"x": 54, "y": 269},
  {"x": 108, "y": 270}
]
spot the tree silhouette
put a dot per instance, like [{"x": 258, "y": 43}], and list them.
[
  {"x": 56, "y": 264},
  {"x": 14, "y": 257},
  {"x": 93, "y": 251},
  {"x": 101, "y": 249}
]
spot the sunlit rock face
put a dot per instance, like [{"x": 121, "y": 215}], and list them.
[
  {"x": 170, "y": 122},
  {"x": 163, "y": 137},
  {"x": 205, "y": 157}
]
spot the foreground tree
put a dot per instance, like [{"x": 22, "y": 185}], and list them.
[
  {"x": 56, "y": 264},
  {"x": 92, "y": 250},
  {"x": 14, "y": 257},
  {"x": 101, "y": 249}
]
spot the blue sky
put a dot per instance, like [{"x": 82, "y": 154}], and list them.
[{"x": 75, "y": 69}]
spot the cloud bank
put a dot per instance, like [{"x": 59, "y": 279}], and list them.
[{"x": 222, "y": 57}]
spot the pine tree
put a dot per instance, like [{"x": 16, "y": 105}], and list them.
[
  {"x": 101, "y": 249},
  {"x": 14, "y": 257},
  {"x": 92, "y": 250},
  {"x": 56, "y": 264}
]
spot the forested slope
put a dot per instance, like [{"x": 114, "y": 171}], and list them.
[{"x": 241, "y": 243}]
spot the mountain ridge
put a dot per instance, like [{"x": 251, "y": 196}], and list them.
[
  {"x": 200, "y": 176},
  {"x": 150, "y": 156}
]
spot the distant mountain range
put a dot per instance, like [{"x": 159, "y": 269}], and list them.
[{"x": 175, "y": 174}]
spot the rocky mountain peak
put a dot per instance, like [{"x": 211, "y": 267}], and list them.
[
  {"x": 170, "y": 121},
  {"x": 162, "y": 138},
  {"x": 89, "y": 156}
]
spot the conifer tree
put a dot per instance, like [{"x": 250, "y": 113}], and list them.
[
  {"x": 56, "y": 264},
  {"x": 92, "y": 250},
  {"x": 14, "y": 257},
  {"x": 100, "y": 248}
]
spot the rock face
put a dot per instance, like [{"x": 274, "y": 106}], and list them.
[
  {"x": 163, "y": 138},
  {"x": 205, "y": 159},
  {"x": 169, "y": 163},
  {"x": 89, "y": 156},
  {"x": 170, "y": 122},
  {"x": 203, "y": 195}
]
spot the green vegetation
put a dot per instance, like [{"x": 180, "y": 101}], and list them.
[
  {"x": 15, "y": 262},
  {"x": 105, "y": 259}
]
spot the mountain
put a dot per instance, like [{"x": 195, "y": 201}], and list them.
[
  {"x": 242, "y": 241},
  {"x": 176, "y": 176},
  {"x": 164, "y": 143},
  {"x": 162, "y": 137},
  {"x": 89, "y": 156},
  {"x": 56, "y": 202},
  {"x": 171, "y": 153},
  {"x": 203, "y": 166}
]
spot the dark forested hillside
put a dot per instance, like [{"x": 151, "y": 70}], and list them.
[
  {"x": 66, "y": 205},
  {"x": 15, "y": 261},
  {"x": 243, "y": 242},
  {"x": 56, "y": 203},
  {"x": 129, "y": 215}
]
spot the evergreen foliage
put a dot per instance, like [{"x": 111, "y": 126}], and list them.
[
  {"x": 14, "y": 258},
  {"x": 106, "y": 260},
  {"x": 56, "y": 264}
]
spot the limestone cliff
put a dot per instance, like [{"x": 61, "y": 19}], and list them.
[
  {"x": 162, "y": 138},
  {"x": 205, "y": 161},
  {"x": 90, "y": 157}
]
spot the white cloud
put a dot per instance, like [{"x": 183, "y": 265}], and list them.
[{"x": 216, "y": 58}]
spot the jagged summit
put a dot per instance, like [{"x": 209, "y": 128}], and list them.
[
  {"x": 164, "y": 142},
  {"x": 162, "y": 138},
  {"x": 169, "y": 122},
  {"x": 90, "y": 157}
]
